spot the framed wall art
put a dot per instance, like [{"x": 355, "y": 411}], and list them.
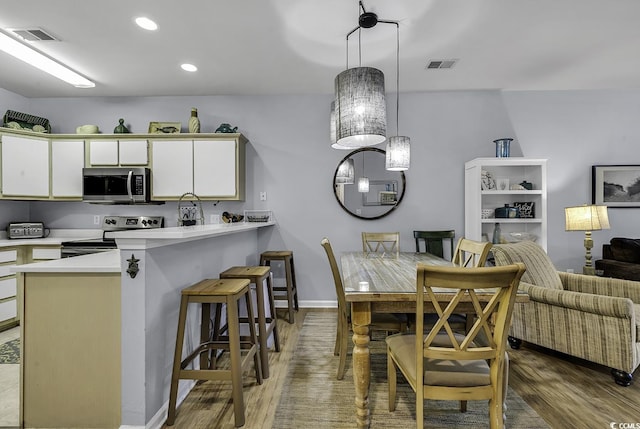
[{"x": 615, "y": 185}]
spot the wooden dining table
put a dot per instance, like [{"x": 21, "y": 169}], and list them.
[{"x": 375, "y": 284}]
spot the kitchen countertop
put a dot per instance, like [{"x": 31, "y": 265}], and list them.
[
  {"x": 149, "y": 238},
  {"x": 131, "y": 239},
  {"x": 103, "y": 262}
]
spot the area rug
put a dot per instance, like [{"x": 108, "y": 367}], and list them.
[
  {"x": 10, "y": 352},
  {"x": 313, "y": 398}
]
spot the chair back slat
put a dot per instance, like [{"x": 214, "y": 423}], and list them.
[
  {"x": 487, "y": 337},
  {"x": 382, "y": 243},
  {"x": 470, "y": 253},
  {"x": 434, "y": 241}
]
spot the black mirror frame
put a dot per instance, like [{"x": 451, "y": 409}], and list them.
[{"x": 349, "y": 155}]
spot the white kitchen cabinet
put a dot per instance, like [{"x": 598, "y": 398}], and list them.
[
  {"x": 67, "y": 161},
  {"x": 212, "y": 168},
  {"x": 25, "y": 166},
  {"x": 8, "y": 289},
  {"x": 118, "y": 152},
  {"x": 505, "y": 173}
]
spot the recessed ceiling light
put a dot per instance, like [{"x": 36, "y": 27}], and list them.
[
  {"x": 146, "y": 23},
  {"x": 189, "y": 67}
]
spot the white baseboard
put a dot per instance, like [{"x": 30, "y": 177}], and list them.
[{"x": 160, "y": 417}]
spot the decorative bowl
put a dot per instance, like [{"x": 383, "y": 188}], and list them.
[
  {"x": 521, "y": 236},
  {"x": 87, "y": 129}
]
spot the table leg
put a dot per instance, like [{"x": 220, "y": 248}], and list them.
[{"x": 360, "y": 320}]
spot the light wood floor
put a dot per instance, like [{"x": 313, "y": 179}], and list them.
[{"x": 566, "y": 392}]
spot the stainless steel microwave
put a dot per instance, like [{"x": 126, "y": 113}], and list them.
[{"x": 116, "y": 185}]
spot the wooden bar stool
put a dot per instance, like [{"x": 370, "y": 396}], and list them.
[
  {"x": 290, "y": 290},
  {"x": 266, "y": 325},
  {"x": 207, "y": 292}
]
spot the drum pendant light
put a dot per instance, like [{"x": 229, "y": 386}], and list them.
[
  {"x": 398, "y": 157},
  {"x": 361, "y": 115},
  {"x": 360, "y": 103},
  {"x": 346, "y": 172}
]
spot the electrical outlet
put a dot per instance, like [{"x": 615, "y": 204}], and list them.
[
  {"x": 263, "y": 196},
  {"x": 96, "y": 219},
  {"x": 214, "y": 218}
]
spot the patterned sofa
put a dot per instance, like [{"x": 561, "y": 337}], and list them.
[{"x": 593, "y": 318}]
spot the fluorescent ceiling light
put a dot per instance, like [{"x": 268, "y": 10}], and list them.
[
  {"x": 36, "y": 59},
  {"x": 189, "y": 67},
  {"x": 146, "y": 23}
]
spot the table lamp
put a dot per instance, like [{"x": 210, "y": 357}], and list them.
[{"x": 586, "y": 218}]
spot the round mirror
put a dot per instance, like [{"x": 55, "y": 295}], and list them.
[{"x": 375, "y": 197}]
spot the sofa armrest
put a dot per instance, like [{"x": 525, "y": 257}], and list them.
[
  {"x": 586, "y": 302},
  {"x": 601, "y": 286}
]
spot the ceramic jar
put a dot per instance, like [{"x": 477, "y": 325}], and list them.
[{"x": 194, "y": 122}]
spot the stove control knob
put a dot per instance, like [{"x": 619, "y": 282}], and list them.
[
  {"x": 144, "y": 222},
  {"x": 155, "y": 221}
]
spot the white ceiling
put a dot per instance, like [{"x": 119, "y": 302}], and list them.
[{"x": 244, "y": 47}]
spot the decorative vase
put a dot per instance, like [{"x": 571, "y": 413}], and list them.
[
  {"x": 120, "y": 129},
  {"x": 497, "y": 233},
  {"x": 502, "y": 147},
  {"x": 194, "y": 122}
]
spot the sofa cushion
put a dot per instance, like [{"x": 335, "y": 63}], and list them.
[
  {"x": 626, "y": 249},
  {"x": 540, "y": 269}
]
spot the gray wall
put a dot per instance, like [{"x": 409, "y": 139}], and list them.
[{"x": 289, "y": 157}]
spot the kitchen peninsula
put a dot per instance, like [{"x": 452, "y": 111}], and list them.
[{"x": 105, "y": 324}]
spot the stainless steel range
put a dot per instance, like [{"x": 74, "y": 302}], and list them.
[{"x": 106, "y": 243}]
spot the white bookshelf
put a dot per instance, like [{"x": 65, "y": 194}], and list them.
[{"x": 515, "y": 170}]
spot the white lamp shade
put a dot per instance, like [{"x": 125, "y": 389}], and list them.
[
  {"x": 360, "y": 107},
  {"x": 398, "y": 155},
  {"x": 346, "y": 172},
  {"x": 586, "y": 218},
  {"x": 363, "y": 184}
]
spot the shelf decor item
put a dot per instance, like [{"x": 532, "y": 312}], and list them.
[
  {"x": 526, "y": 209},
  {"x": 121, "y": 128},
  {"x": 194, "y": 122},
  {"x": 164, "y": 127},
  {"x": 24, "y": 121},
  {"x": 503, "y": 149},
  {"x": 506, "y": 212},
  {"x": 226, "y": 128}
]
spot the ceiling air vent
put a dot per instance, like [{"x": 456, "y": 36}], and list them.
[
  {"x": 440, "y": 64},
  {"x": 33, "y": 34}
]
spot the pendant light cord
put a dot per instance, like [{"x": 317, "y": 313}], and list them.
[{"x": 397, "y": 78}]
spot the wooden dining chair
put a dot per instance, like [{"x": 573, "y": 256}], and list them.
[
  {"x": 470, "y": 253},
  {"x": 442, "y": 365},
  {"x": 434, "y": 241},
  {"x": 382, "y": 243},
  {"x": 379, "y": 322}
]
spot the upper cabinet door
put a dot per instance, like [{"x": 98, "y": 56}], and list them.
[
  {"x": 172, "y": 173},
  {"x": 103, "y": 152},
  {"x": 215, "y": 170},
  {"x": 67, "y": 160},
  {"x": 118, "y": 152},
  {"x": 134, "y": 152},
  {"x": 25, "y": 166}
]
